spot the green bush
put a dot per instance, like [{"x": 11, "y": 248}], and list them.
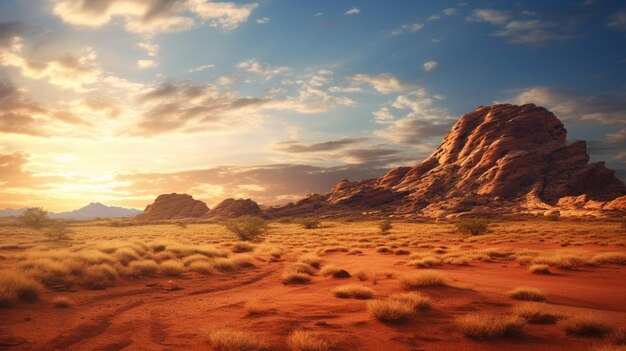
[
  {"x": 385, "y": 226},
  {"x": 247, "y": 227},
  {"x": 309, "y": 223},
  {"x": 34, "y": 217},
  {"x": 473, "y": 226}
]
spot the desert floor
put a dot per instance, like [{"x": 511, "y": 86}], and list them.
[{"x": 166, "y": 287}]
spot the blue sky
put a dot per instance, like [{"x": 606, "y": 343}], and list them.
[{"x": 120, "y": 100}]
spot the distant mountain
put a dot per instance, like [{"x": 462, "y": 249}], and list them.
[
  {"x": 91, "y": 211},
  {"x": 96, "y": 209}
]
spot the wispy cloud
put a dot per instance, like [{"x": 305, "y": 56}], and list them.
[
  {"x": 353, "y": 11},
  {"x": 200, "y": 68},
  {"x": 264, "y": 20},
  {"x": 383, "y": 83},
  {"x": 488, "y": 15},
  {"x": 429, "y": 66}
]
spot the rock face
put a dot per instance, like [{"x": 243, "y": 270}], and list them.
[
  {"x": 498, "y": 158},
  {"x": 173, "y": 206},
  {"x": 235, "y": 208}
]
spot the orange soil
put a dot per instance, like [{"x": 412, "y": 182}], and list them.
[{"x": 142, "y": 315}]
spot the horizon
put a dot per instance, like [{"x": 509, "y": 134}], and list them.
[{"x": 272, "y": 100}]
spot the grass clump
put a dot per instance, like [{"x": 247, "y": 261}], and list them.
[
  {"x": 334, "y": 271},
  {"x": 310, "y": 259},
  {"x": 588, "y": 325},
  {"x": 202, "y": 267},
  {"x": 385, "y": 226},
  {"x": 309, "y": 223},
  {"x": 234, "y": 340},
  {"x": 143, "y": 268},
  {"x": 58, "y": 231},
  {"x": 247, "y": 227},
  {"x": 291, "y": 277},
  {"x": 609, "y": 258},
  {"x": 171, "y": 268},
  {"x": 487, "y": 326},
  {"x": 473, "y": 226},
  {"x": 391, "y": 311},
  {"x": 242, "y": 247},
  {"x": 353, "y": 292},
  {"x": 301, "y": 340},
  {"x": 416, "y": 300},
  {"x": 16, "y": 287},
  {"x": 525, "y": 293},
  {"x": 537, "y": 313},
  {"x": 539, "y": 269},
  {"x": 62, "y": 302},
  {"x": 427, "y": 278}
]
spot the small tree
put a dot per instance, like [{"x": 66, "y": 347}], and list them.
[
  {"x": 385, "y": 226},
  {"x": 309, "y": 223},
  {"x": 247, "y": 227},
  {"x": 34, "y": 217},
  {"x": 58, "y": 231},
  {"x": 473, "y": 226}
]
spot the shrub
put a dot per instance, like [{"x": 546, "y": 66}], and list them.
[
  {"x": 58, "y": 231},
  {"x": 537, "y": 313},
  {"x": 473, "y": 226},
  {"x": 171, "y": 268},
  {"x": 309, "y": 223},
  {"x": 354, "y": 292},
  {"x": 301, "y": 340},
  {"x": 62, "y": 302},
  {"x": 99, "y": 277},
  {"x": 587, "y": 325},
  {"x": 422, "y": 279},
  {"x": 202, "y": 267},
  {"x": 527, "y": 294},
  {"x": 242, "y": 247},
  {"x": 143, "y": 268},
  {"x": 488, "y": 326},
  {"x": 247, "y": 227},
  {"x": 15, "y": 286},
  {"x": 34, "y": 217},
  {"x": 234, "y": 340},
  {"x": 391, "y": 311},
  {"x": 415, "y": 299},
  {"x": 295, "y": 278},
  {"x": 385, "y": 226},
  {"x": 539, "y": 269},
  {"x": 609, "y": 258},
  {"x": 311, "y": 260},
  {"x": 336, "y": 272}
]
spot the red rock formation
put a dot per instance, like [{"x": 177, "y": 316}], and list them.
[
  {"x": 501, "y": 158},
  {"x": 235, "y": 208},
  {"x": 173, "y": 206}
]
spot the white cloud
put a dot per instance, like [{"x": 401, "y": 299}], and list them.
[
  {"x": 383, "y": 83},
  {"x": 528, "y": 32},
  {"x": 430, "y": 65},
  {"x": 618, "y": 20},
  {"x": 488, "y": 15},
  {"x": 353, "y": 11},
  {"x": 407, "y": 28},
  {"x": 143, "y": 64},
  {"x": 262, "y": 69},
  {"x": 226, "y": 15},
  {"x": 338, "y": 89},
  {"x": 200, "y": 68},
  {"x": 383, "y": 116},
  {"x": 264, "y": 20},
  {"x": 318, "y": 14},
  {"x": 450, "y": 11},
  {"x": 434, "y": 18}
]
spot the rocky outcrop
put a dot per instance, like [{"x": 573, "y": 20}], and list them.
[
  {"x": 235, "y": 208},
  {"x": 173, "y": 206},
  {"x": 497, "y": 159}
]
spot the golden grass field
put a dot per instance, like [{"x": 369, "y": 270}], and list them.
[{"x": 523, "y": 285}]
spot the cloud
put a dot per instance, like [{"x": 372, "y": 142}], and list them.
[
  {"x": 352, "y": 11},
  {"x": 150, "y": 17},
  {"x": 571, "y": 106},
  {"x": 529, "y": 32},
  {"x": 8, "y": 31},
  {"x": 143, "y": 64},
  {"x": 430, "y": 65},
  {"x": 262, "y": 69},
  {"x": 421, "y": 123},
  {"x": 69, "y": 72},
  {"x": 450, "y": 11},
  {"x": 434, "y": 18},
  {"x": 12, "y": 170},
  {"x": 264, "y": 20},
  {"x": 618, "y": 20},
  {"x": 151, "y": 49},
  {"x": 333, "y": 145},
  {"x": 407, "y": 28},
  {"x": 200, "y": 68},
  {"x": 383, "y": 83},
  {"x": 488, "y": 15}
]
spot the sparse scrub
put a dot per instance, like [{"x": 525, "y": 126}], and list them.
[
  {"x": 202, "y": 267},
  {"x": 472, "y": 226},
  {"x": 539, "y": 269},
  {"x": 391, "y": 311},
  {"x": 58, "y": 231},
  {"x": 353, "y": 291},
  {"x": 311, "y": 260},
  {"x": 143, "y": 268},
  {"x": 525, "y": 293},
  {"x": 290, "y": 277},
  {"x": 385, "y": 226},
  {"x": 609, "y": 258},
  {"x": 588, "y": 325},
  {"x": 242, "y": 247},
  {"x": 309, "y": 223},
  {"x": 301, "y": 340},
  {"x": 15, "y": 287},
  {"x": 487, "y": 326},
  {"x": 537, "y": 313},
  {"x": 415, "y": 299},
  {"x": 234, "y": 340},
  {"x": 247, "y": 227},
  {"x": 171, "y": 268},
  {"x": 336, "y": 272},
  {"x": 422, "y": 279}
]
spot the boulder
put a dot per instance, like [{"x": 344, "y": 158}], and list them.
[{"x": 173, "y": 206}]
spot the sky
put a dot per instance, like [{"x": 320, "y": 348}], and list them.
[{"x": 118, "y": 101}]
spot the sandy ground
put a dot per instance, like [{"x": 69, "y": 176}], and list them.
[{"x": 143, "y": 315}]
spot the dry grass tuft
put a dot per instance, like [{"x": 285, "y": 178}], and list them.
[
  {"x": 416, "y": 300},
  {"x": 537, "y": 313},
  {"x": 202, "y": 267},
  {"x": 143, "y": 268},
  {"x": 171, "y": 268},
  {"x": 422, "y": 279},
  {"x": 609, "y": 258},
  {"x": 336, "y": 272},
  {"x": 62, "y": 302},
  {"x": 525, "y": 293},
  {"x": 290, "y": 277},
  {"x": 487, "y": 326},
  {"x": 301, "y": 340},
  {"x": 353, "y": 291},
  {"x": 391, "y": 311},
  {"x": 16, "y": 287},
  {"x": 311, "y": 260},
  {"x": 588, "y": 325},
  {"x": 234, "y": 340},
  {"x": 539, "y": 269}
]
